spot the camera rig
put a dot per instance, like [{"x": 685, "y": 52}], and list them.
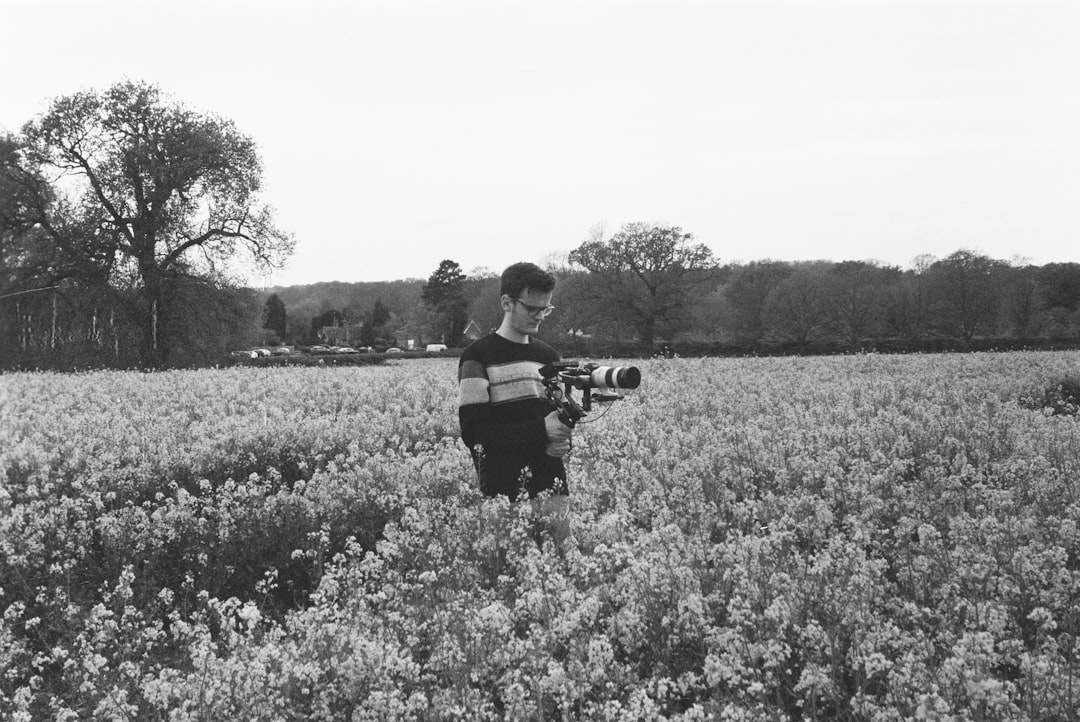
[{"x": 598, "y": 384}]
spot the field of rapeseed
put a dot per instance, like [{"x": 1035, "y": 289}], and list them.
[{"x": 864, "y": 538}]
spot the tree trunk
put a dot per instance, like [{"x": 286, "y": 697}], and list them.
[
  {"x": 115, "y": 335},
  {"x": 648, "y": 334},
  {"x": 52, "y": 329},
  {"x": 153, "y": 355}
]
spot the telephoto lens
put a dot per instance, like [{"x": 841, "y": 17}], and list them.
[{"x": 616, "y": 378}]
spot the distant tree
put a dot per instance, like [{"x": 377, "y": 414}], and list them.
[
  {"x": 274, "y": 316},
  {"x": 356, "y": 300},
  {"x": 411, "y": 325},
  {"x": 27, "y": 258},
  {"x": 375, "y": 322},
  {"x": 747, "y": 295},
  {"x": 856, "y": 292},
  {"x": 484, "y": 309},
  {"x": 14, "y": 226},
  {"x": 482, "y": 273},
  {"x": 909, "y": 305},
  {"x": 1060, "y": 284},
  {"x": 1020, "y": 299},
  {"x": 57, "y": 309},
  {"x": 651, "y": 272},
  {"x": 444, "y": 295},
  {"x": 580, "y": 315},
  {"x": 966, "y": 284},
  {"x": 367, "y": 332},
  {"x": 21, "y": 194},
  {"x": 210, "y": 318},
  {"x": 798, "y": 309},
  {"x": 155, "y": 193},
  {"x": 380, "y": 314},
  {"x": 708, "y": 317}
]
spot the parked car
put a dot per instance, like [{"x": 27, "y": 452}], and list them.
[
  {"x": 246, "y": 353},
  {"x": 393, "y": 349},
  {"x": 262, "y": 351},
  {"x": 281, "y": 351},
  {"x": 319, "y": 348},
  {"x": 345, "y": 349},
  {"x": 436, "y": 347}
]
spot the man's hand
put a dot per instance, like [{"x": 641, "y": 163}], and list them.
[{"x": 558, "y": 435}]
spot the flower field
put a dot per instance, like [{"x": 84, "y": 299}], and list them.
[{"x": 862, "y": 538}]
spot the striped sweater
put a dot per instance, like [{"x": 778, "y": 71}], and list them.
[{"x": 501, "y": 407}]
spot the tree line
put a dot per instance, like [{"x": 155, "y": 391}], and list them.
[
  {"x": 122, "y": 213},
  {"x": 650, "y": 288}
]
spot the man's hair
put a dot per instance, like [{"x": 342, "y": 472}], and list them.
[{"x": 520, "y": 277}]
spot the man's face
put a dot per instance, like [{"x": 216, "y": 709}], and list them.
[{"x": 525, "y": 312}]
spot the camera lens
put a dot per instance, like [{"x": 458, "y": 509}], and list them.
[{"x": 616, "y": 377}]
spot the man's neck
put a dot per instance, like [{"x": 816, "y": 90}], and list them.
[{"x": 507, "y": 332}]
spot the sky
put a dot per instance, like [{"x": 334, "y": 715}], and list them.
[{"x": 398, "y": 133}]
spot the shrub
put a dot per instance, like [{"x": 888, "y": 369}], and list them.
[{"x": 1061, "y": 398}]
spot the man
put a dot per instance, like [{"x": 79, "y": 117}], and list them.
[{"x": 517, "y": 443}]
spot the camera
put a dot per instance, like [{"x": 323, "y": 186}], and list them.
[
  {"x": 597, "y": 383},
  {"x": 614, "y": 378}
]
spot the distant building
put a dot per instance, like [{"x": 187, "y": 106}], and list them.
[
  {"x": 340, "y": 335},
  {"x": 472, "y": 331}
]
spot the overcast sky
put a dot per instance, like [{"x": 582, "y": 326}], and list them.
[{"x": 396, "y": 134}]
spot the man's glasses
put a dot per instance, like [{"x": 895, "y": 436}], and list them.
[{"x": 542, "y": 311}]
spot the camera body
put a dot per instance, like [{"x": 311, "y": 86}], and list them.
[{"x": 597, "y": 384}]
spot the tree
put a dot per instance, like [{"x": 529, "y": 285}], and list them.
[
  {"x": 909, "y": 306},
  {"x": 484, "y": 307},
  {"x": 274, "y": 316},
  {"x": 798, "y": 308},
  {"x": 966, "y": 284},
  {"x": 24, "y": 259},
  {"x": 380, "y": 314},
  {"x": 649, "y": 271},
  {"x": 20, "y": 195},
  {"x": 158, "y": 193},
  {"x": 375, "y": 322},
  {"x": 748, "y": 294},
  {"x": 856, "y": 290},
  {"x": 210, "y": 318},
  {"x": 1061, "y": 285},
  {"x": 444, "y": 294},
  {"x": 55, "y": 311},
  {"x": 13, "y": 228},
  {"x": 1020, "y": 298},
  {"x": 1059, "y": 293}
]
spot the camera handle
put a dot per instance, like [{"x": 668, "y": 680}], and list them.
[
  {"x": 560, "y": 379},
  {"x": 570, "y": 411}
]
